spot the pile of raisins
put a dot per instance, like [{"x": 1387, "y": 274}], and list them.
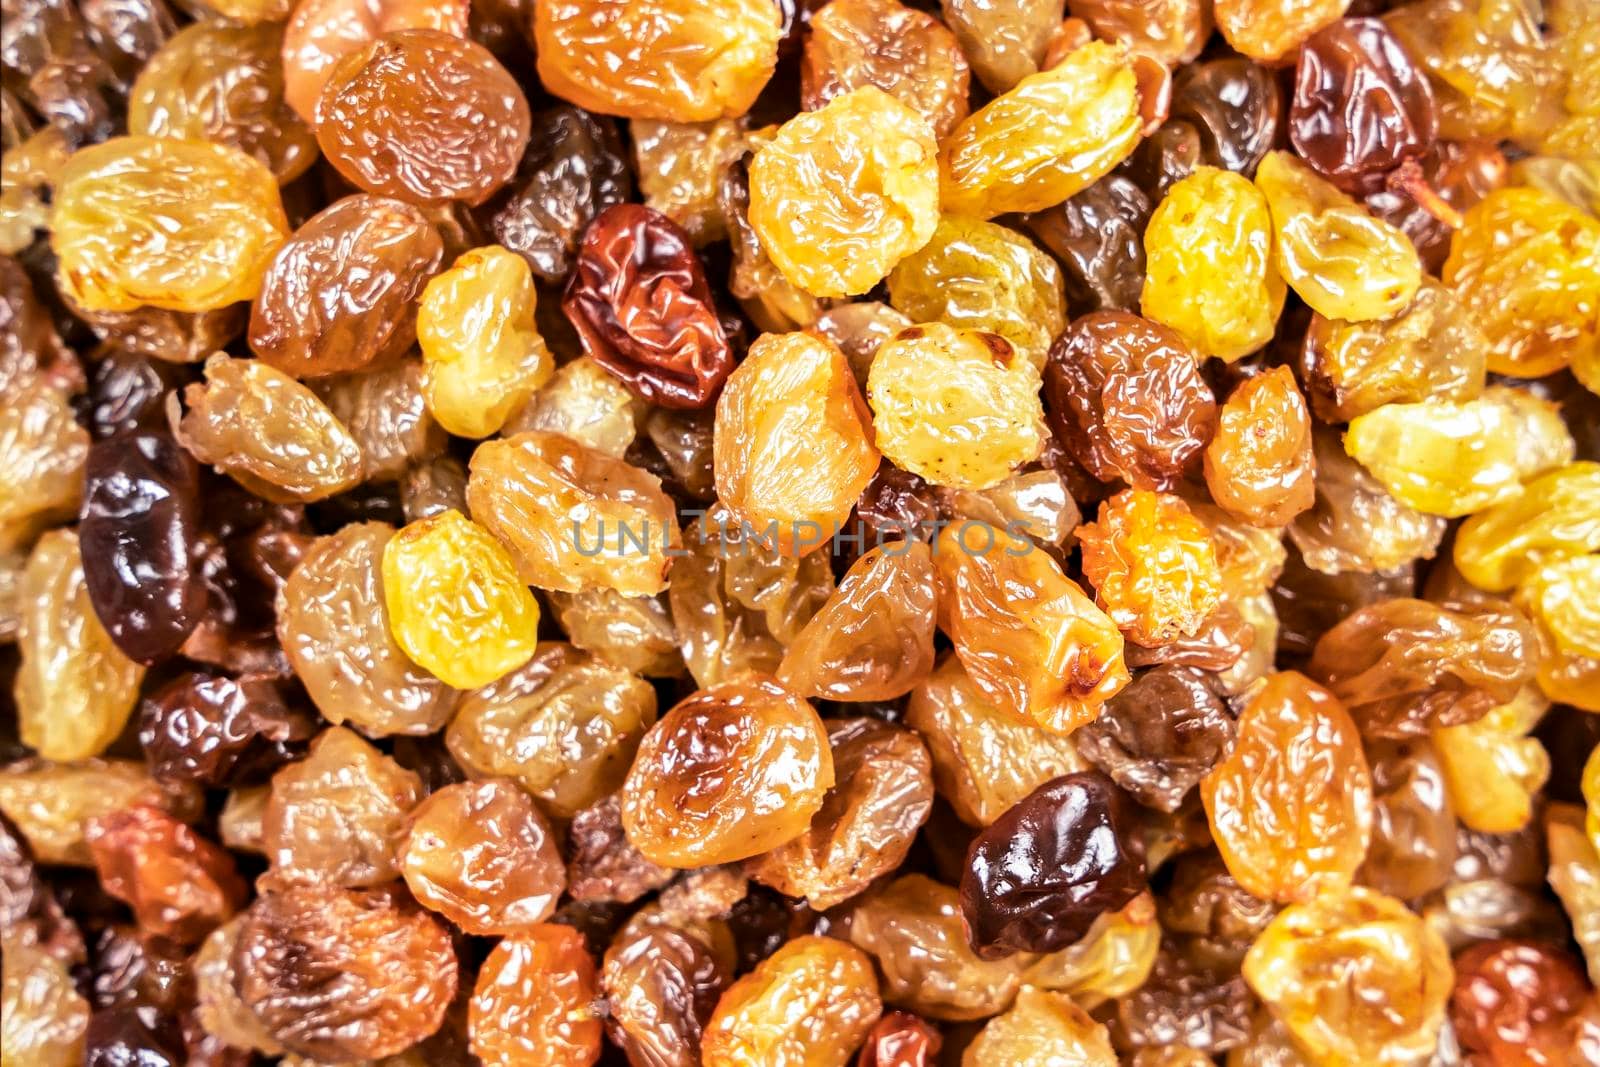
[{"x": 800, "y": 533}]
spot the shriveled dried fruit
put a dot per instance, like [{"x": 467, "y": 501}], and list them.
[
  {"x": 216, "y": 730},
  {"x": 340, "y": 295},
  {"x": 219, "y": 1010},
  {"x": 1290, "y": 807},
  {"x": 423, "y": 116},
  {"x": 1127, "y": 399},
  {"x": 217, "y": 209},
  {"x": 481, "y": 855},
  {"x": 680, "y": 167},
  {"x": 1557, "y": 514},
  {"x": 1492, "y": 768},
  {"x": 793, "y": 441},
  {"x": 1112, "y": 960},
  {"x": 842, "y": 194},
  {"x": 1524, "y": 264},
  {"x": 344, "y": 975},
  {"x": 338, "y": 817},
  {"x": 1354, "y": 524},
  {"x": 266, "y": 431},
  {"x": 52, "y": 804},
  {"x": 635, "y": 633},
  {"x": 1575, "y": 877},
  {"x": 179, "y": 885},
  {"x": 807, "y": 1005},
  {"x": 1453, "y": 458},
  {"x": 1431, "y": 349},
  {"x": 45, "y": 1018},
  {"x": 320, "y": 32},
  {"x": 873, "y": 639},
  {"x": 912, "y": 927},
  {"x": 959, "y": 408},
  {"x": 455, "y": 603},
  {"x": 1097, "y": 234},
  {"x": 733, "y": 771},
  {"x": 1343, "y": 261},
  {"x": 982, "y": 276},
  {"x": 565, "y": 726},
  {"x": 334, "y": 625},
  {"x": 639, "y": 300},
  {"x": 1041, "y": 1027},
  {"x": 1171, "y": 30},
  {"x": 572, "y": 517},
  {"x": 1259, "y": 466},
  {"x": 533, "y": 1001},
  {"x": 219, "y": 82},
  {"x": 908, "y": 54},
  {"x": 589, "y": 404},
  {"x": 1153, "y": 566},
  {"x": 604, "y": 867},
  {"x": 1520, "y": 1002},
  {"x": 1355, "y": 977},
  {"x": 74, "y": 688},
  {"x": 1028, "y": 637},
  {"x": 657, "y": 59},
  {"x": 901, "y": 1040},
  {"x": 1081, "y": 117},
  {"x": 1211, "y": 269},
  {"x": 1267, "y": 32},
  {"x": 1004, "y": 42},
  {"x": 1413, "y": 823},
  {"x": 882, "y": 794}
]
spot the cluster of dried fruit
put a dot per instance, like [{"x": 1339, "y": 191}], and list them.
[{"x": 784, "y": 533}]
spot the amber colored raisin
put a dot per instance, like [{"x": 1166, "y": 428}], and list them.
[
  {"x": 680, "y": 167},
  {"x": 52, "y": 804},
  {"x": 1516, "y": 1002},
  {"x": 639, "y": 300},
  {"x": 906, "y": 53},
  {"x": 657, "y": 59},
  {"x": 1040, "y": 1027},
  {"x": 1259, "y": 466},
  {"x": 572, "y": 517},
  {"x": 482, "y": 855},
  {"x": 344, "y": 975},
  {"x": 842, "y": 194},
  {"x": 882, "y": 794},
  {"x": 1082, "y": 118},
  {"x": 179, "y": 885},
  {"x": 1127, "y": 399},
  {"x": 320, "y": 32},
  {"x": 219, "y": 208},
  {"x": 793, "y": 441},
  {"x": 1355, "y": 977},
  {"x": 901, "y": 1040},
  {"x": 1030, "y": 639},
  {"x": 46, "y": 1019},
  {"x": 1153, "y": 566},
  {"x": 1413, "y": 848},
  {"x": 589, "y": 404},
  {"x": 1097, "y": 234},
  {"x": 662, "y": 978},
  {"x": 635, "y": 633},
  {"x": 810, "y": 1004},
  {"x": 423, "y": 116},
  {"x": 341, "y": 293},
  {"x": 1004, "y": 42},
  {"x": 1291, "y": 806}
]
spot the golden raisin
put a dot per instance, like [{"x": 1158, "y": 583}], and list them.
[
  {"x": 1153, "y": 566},
  {"x": 534, "y": 1001},
  {"x": 1259, "y": 466}
]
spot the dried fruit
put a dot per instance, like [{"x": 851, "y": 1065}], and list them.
[
  {"x": 45, "y": 1019},
  {"x": 385, "y": 412},
  {"x": 1259, "y": 466},
  {"x": 481, "y": 855},
  {"x": 533, "y": 1001},
  {"x": 882, "y": 795},
  {"x": 1354, "y": 976},
  {"x": 1097, "y": 234},
  {"x": 680, "y": 167},
  {"x": 1492, "y": 768},
  {"x": 1211, "y": 270},
  {"x": 807, "y": 1005},
  {"x": 334, "y": 624},
  {"x": 842, "y": 194},
  {"x": 74, "y": 687},
  {"x": 1557, "y": 514},
  {"x": 320, "y": 32},
  {"x": 455, "y": 604},
  {"x": 1343, "y": 261},
  {"x": 216, "y": 730},
  {"x": 635, "y": 633},
  {"x": 1127, "y": 399},
  {"x": 591, "y": 405},
  {"x": 957, "y": 407},
  {"x": 908, "y": 54},
  {"x": 733, "y": 771},
  {"x": 1413, "y": 823},
  {"x": 423, "y": 116},
  {"x": 1153, "y": 566},
  {"x": 266, "y": 431},
  {"x": 1290, "y": 807},
  {"x": 1004, "y": 42},
  {"x": 657, "y": 59},
  {"x": 218, "y": 209},
  {"x": 1029, "y": 638},
  {"x": 1040, "y": 1027},
  {"x": 1519, "y": 1002},
  {"x": 340, "y": 295},
  {"x": 572, "y": 517},
  {"x": 179, "y": 885},
  {"x": 344, "y": 975},
  {"x": 52, "y": 804},
  {"x": 1267, "y": 32},
  {"x": 565, "y": 726},
  {"x": 1081, "y": 117},
  {"x": 982, "y": 276},
  {"x": 639, "y": 300}
]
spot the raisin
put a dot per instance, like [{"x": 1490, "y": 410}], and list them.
[
  {"x": 604, "y": 867},
  {"x": 1172, "y": 31},
  {"x": 1097, "y": 234},
  {"x": 635, "y": 633},
  {"x": 1259, "y": 466},
  {"x": 340, "y": 295},
  {"x": 423, "y": 116},
  {"x": 639, "y": 300},
  {"x": 1554, "y": 516},
  {"x": 662, "y": 980},
  {"x": 657, "y": 59},
  {"x": 53, "y": 804},
  {"x": 1039, "y": 1026},
  {"x": 220, "y": 207},
  {"x": 1038, "y": 876},
  {"x": 344, "y": 974},
  {"x": 1267, "y": 32},
  {"x": 908, "y": 54},
  {"x": 842, "y": 194},
  {"x": 1004, "y": 42},
  {"x": 1413, "y": 823},
  {"x": 320, "y": 32},
  {"x": 592, "y": 406},
  {"x": 178, "y": 884},
  {"x": 218, "y": 731},
  {"x": 1492, "y": 768},
  {"x": 220, "y": 1011},
  {"x": 901, "y": 1040},
  {"x": 1235, "y": 107},
  {"x": 680, "y": 167},
  {"x": 46, "y": 1020}
]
